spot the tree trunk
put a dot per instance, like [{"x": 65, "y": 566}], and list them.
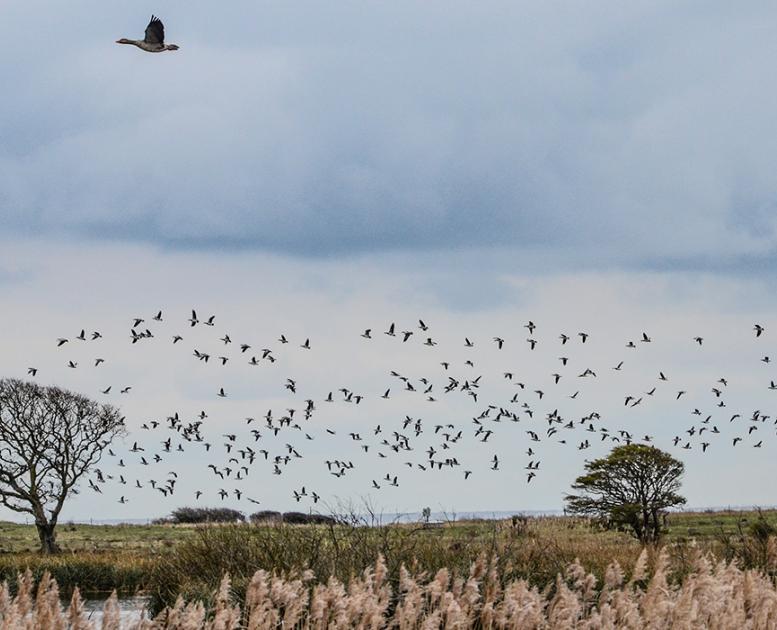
[
  {"x": 48, "y": 538},
  {"x": 637, "y": 527},
  {"x": 656, "y": 524}
]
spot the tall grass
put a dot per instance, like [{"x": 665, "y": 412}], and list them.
[
  {"x": 92, "y": 572},
  {"x": 537, "y": 549},
  {"x": 171, "y": 561},
  {"x": 712, "y": 594}
]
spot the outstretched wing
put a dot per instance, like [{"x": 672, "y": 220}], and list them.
[{"x": 155, "y": 31}]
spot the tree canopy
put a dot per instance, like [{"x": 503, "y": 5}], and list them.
[
  {"x": 632, "y": 487},
  {"x": 49, "y": 437}
]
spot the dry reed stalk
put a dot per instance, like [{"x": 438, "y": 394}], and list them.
[{"x": 713, "y": 595}]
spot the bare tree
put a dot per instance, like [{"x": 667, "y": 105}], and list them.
[{"x": 49, "y": 437}]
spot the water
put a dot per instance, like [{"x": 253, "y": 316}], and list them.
[{"x": 131, "y": 607}]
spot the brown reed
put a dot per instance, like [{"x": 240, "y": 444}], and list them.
[{"x": 713, "y": 594}]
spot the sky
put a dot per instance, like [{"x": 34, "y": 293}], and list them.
[{"x": 316, "y": 169}]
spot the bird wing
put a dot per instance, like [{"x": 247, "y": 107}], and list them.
[{"x": 155, "y": 31}]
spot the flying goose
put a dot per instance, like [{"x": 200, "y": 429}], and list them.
[{"x": 154, "y": 41}]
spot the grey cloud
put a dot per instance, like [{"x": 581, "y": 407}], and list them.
[{"x": 613, "y": 133}]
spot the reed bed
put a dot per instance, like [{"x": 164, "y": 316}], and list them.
[
  {"x": 93, "y": 572},
  {"x": 164, "y": 562},
  {"x": 535, "y": 549},
  {"x": 712, "y": 594}
]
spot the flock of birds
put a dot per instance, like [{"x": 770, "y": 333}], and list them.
[{"x": 277, "y": 439}]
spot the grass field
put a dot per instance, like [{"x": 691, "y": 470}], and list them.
[
  {"x": 132, "y": 558},
  {"x": 702, "y": 525},
  {"x": 16, "y": 538},
  {"x": 97, "y": 558},
  {"x": 19, "y": 538}
]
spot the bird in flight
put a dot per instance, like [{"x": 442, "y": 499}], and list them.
[{"x": 154, "y": 40}]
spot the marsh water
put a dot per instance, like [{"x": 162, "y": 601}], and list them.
[{"x": 131, "y": 607}]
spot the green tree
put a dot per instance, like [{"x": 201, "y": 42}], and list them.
[
  {"x": 49, "y": 438},
  {"x": 632, "y": 487}
]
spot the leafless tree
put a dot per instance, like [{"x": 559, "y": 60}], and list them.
[{"x": 49, "y": 438}]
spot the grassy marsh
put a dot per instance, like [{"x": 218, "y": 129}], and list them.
[{"x": 162, "y": 559}]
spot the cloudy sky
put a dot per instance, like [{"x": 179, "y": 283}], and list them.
[{"x": 316, "y": 169}]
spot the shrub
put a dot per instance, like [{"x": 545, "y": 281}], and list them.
[
  {"x": 761, "y": 529},
  {"x": 205, "y": 515},
  {"x": 299, "y": 518},
  {"x": 264, "y": 516}
]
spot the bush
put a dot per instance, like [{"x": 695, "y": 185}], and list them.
[
  {"x": 292, "y": 518},
  {"x": 762, "y": 529},
  {"x": 205, "y": 515},
  {"x": 299, "y": 518},
  {"x": 263, "y": 516}
]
